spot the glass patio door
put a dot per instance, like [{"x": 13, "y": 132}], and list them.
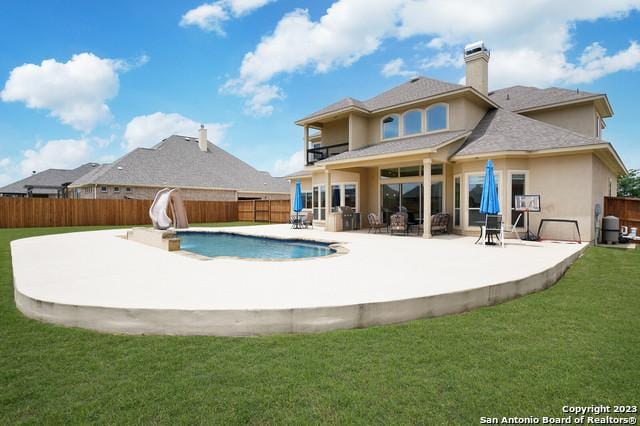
[{"x": 409, "y": 197}]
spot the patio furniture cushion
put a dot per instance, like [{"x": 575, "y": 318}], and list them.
[
  {"x": 440, "y": 223},
  {"x": 398, "y": 223}
]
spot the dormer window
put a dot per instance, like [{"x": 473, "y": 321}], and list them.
[
  {"x": 437, "y": 117},
  {"x": 390, "y": 128},
  {"x": 412, "y": 122}
]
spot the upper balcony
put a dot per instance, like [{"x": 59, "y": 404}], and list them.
[{"x": 321, "y": 152}]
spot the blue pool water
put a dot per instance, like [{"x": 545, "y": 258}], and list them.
[{"x": 213, "y": 244}]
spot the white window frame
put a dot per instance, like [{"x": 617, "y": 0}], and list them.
[
  {"x": 116, "y": 189},
  {"x": 341, "y": 185},
  {"x": 398, "y": 117},
  {"x": 104, "y": 189},
  {"x": 510, "y": 173},
  {"x": 459, "y": 177},
  {"x": 426, "y": 117},
  {"x": 465, "y": 203},
  {"x": 321, "y": 208},
  {"x": 422, "y": 122}
]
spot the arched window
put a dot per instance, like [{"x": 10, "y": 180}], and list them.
[
  {"x": 390, "y": 128},
  {"x": 437, "y": 117},
  {"x": 412, "y": 122}
]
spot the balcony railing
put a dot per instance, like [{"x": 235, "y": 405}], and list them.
[{"x": 320, "y": 153}]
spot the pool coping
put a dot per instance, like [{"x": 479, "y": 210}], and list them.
[
  {"x": 338, "y": 247},
  {"x": 250, "y": 322}
]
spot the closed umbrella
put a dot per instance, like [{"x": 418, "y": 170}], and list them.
[
  {"x": 297, "y": 200},
  {"x": 489, "y": 203}
]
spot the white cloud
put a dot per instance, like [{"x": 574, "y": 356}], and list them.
[
  {"x": 148, "y": 130},
  {"x": 210, "y": 16},
  {"x": 526, "y": 38},
  {"x": 288, "y": 165},
  {"x": 5, "y": 172},
  {"x": 443, "y": 59},
  {"x": 349, "y": 30},
  {"x": 75, "y": 91},
  {"x": 57, "y": 154},
  {"x": 396, "y": 67}
]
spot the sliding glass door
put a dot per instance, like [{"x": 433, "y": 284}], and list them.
[{"x": 409, "y": 197}]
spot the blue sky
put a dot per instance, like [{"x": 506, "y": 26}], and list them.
[{"x": 121, "y": 74}]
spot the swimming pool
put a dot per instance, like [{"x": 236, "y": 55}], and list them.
[{"x": 215, "y": 244}]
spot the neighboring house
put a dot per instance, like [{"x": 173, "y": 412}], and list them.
[
  {"x": 51, "y": 183},
  {"x": 202, "y": 170},
  {"x": 424, "y": 145}
]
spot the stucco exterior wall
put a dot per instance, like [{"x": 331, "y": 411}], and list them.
[
  {"x": 565, "y": 187},
  {"x": 463, "y": 114},
  {"x": 358, "y": 131},
  {"x": 335, "y": 132},
  {"x": 605, "y": 184},
  {"x": 580, "y": 119}
]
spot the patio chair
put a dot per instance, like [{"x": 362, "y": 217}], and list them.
[
  {"x": 374, "y": 223},
  {"x": 440, "y": 223},
  {"x": 493, "y": 227},
  {"x": 307, "y": 219},
  {"x": 398, "y": 223}
]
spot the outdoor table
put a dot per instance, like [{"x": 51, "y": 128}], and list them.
[{"x": 296, "y": 222}]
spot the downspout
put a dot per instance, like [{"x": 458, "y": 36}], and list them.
[{"x": 95, "y": 191}]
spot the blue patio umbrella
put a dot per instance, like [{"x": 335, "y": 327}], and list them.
[{"x": 489, "y": 203}]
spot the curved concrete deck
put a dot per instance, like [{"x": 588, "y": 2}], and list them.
[{"x": 98, "y": 281}]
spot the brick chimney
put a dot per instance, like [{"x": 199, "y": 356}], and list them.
[
  {"x": 476, "y": 56},
  {"x": 202, "y": 141}
]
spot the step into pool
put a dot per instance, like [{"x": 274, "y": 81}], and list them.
[{"x": 217, "y": 244}]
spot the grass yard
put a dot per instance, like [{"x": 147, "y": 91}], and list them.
[{"x": 577, "y": 343}]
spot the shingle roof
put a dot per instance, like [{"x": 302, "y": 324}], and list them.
[
  {"x": 399, "y": 145},
  {"x": 299, "y": 173},
  {"x": 48, "y": 181},
  {"x": 524, "y": 97},
  {"x": 412, "y": 90},
  {"x": 178, "y": 162},
  {"x": 501, "y": 130}
]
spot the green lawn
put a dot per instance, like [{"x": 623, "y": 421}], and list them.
[{"x": 577, "y": 343}]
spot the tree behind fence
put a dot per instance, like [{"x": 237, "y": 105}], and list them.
[{"x": 36, "y": 212}]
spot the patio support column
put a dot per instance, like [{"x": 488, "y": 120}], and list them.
[
  {"x": 306, "y": 144},
  {"x": 328, "y": 194},
  {"x": 426, "y": 210}
]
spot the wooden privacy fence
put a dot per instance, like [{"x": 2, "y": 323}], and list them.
[
  {"x": 273, "y": 211},
  {"x": 626, "y": 209},
  {"x": 37, "y": 212}
]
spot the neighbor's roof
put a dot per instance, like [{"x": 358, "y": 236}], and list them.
[
  {"x": 178, "y": 162},
  {"x": 48, "y": 181},
  {"x": 414, "y": 89},
  {"x": 402, "y": 145},
  {"x": 518, "y": 98},
  {"x": 501, "y": 130}
]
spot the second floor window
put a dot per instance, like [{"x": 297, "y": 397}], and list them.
[
  {"x": 412, "y": 122},
  {"x": 390, "y": 128},
  {"x": 437, "y": 118}
]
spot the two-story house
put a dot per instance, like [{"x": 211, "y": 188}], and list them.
[{"x": 423, "y": 146}]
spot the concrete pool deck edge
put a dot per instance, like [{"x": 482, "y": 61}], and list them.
[{"x": 249, "y": 322}]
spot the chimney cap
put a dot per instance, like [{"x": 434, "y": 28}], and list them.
[
  {"x": 202, "y": 126},
  {"x": 475, "y": 47}
]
